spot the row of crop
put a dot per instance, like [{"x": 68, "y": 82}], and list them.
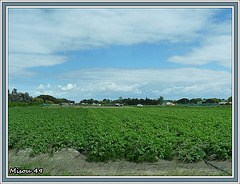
[
  {"x": 187, "y": 141},
  {"x": 132, "y": 134},
  {"x": 24, "y": 104},
  {"x": 212, "y": 135}
]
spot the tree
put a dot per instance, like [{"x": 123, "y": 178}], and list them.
[
  {"x": 216, "y": 100},
  {"x": 48, "y": 97},
  {"x": 183, "y": 101},
  {"x": 10, "y": 96},
  {"x": 120, "y": 100},
  {"x": 27, "y": 97},
  {"x": 107, "y": 100},
  {"x": 14, "y": 92},
  {"x": 83, "y": 101},
  {"x": 195, "y": 100},
  {"x": 210, "y": 100},
  {"x": 230, "y": 99},
  {"x": 20, "y": 97},
  {"x": 71, "y": 101},
  {"x": 127, "y": 101},
  {"x": 14, "y": 95},
  {"x": 147, "y": 101},
  {"x": 38, "y": 100},
  {"x": 160, "y": 100},
  {"x": 90, "y": 101},
  {"x": 62, "y": 100},
  {"x": 49, "y": 102}
]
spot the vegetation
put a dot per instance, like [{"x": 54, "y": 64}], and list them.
[
  {"x": 126, "y": 101},
  {"x": 52, "y": 100},
  {"x": 19, "y": 97},
  {"x": 48, "y": 99},
  {"x": 135, "y": 134},
  {"x": 230, "y": 99},
  {"x": 16, "y": 98},
  {"x": 23, "y": 104},
  {"x": 158, "y": 101}
]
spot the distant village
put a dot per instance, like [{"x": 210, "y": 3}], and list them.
[{"x": 16, "y": 98}]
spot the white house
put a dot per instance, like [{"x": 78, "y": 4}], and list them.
[{"x": 170, "y": 104}]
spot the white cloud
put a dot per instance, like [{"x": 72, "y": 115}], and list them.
[
  {"x": 33, "y": 31},
  {"x": 213, "y": 49},
  {"x": 37, "y": 37},
  {"x": 173, "y": 83},
  {"x": 68, "y": 87},
  {"x": 19, "y": 64},
  {"x": 41, "y": 86}
]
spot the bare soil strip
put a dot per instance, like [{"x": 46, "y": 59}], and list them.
[
  {"x": 103, "y": 107},
  {"x": 72, "y": 163}
]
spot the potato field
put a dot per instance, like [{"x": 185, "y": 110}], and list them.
[{"x": 142, "y": 134}]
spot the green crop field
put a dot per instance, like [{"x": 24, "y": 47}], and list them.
[{"x": 186, "y": 134}]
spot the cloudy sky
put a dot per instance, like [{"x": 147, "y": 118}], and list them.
[{"x": 108, "y": 53}]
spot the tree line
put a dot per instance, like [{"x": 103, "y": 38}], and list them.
[
  {"x": 125, "y": 101},
  {"x": 16, "y": 98},
  {"x": 196, "y": 100},
  {"x": 158, "y": 101}
]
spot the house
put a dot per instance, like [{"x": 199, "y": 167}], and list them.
[{"x": 170, "y": 104}]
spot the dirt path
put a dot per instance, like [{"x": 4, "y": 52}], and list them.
[
  {"x": 71, "y": 162},
  {"x": 102, "y": 107}
]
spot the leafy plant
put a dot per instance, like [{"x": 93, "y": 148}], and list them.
[{"x": 135, "y": 134}]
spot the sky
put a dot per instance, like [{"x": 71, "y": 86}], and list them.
[{"x": 133, "y": 53}]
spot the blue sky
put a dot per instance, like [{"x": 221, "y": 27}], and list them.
[{"x": 108, "y": 53}]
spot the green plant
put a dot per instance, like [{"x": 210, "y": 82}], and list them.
[{"x": 136, "y": 134}]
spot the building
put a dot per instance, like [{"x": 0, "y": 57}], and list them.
[
  {"x": 170, "y": 104},
  {"x": 223, "y": 103}
]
